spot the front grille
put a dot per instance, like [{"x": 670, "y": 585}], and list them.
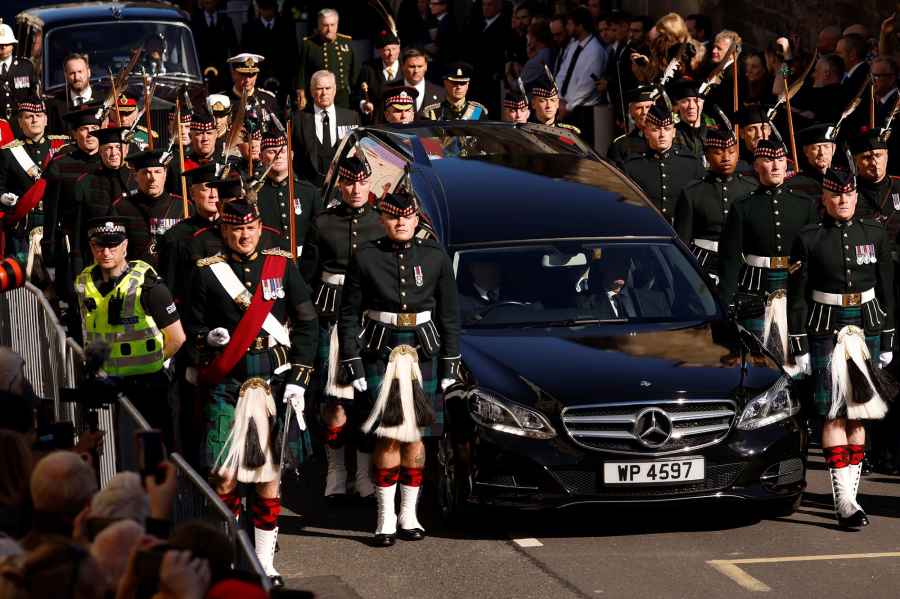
[
  {"x": 680, "y": 426},
  {"x": 582, "y": 482}
]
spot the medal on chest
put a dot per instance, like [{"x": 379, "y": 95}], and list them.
[
  {"x": 297, "y": 208},
  {"x": 895, "y": 198},
  {"x": 158, "y": 226},
  {"x": 865, "y": 254},
  {"x": 420, "y": 279},
  {"x": 20, "y": 82},
  {"x": 272, "y": 289}
]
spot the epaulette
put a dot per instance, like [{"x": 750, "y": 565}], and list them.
[
  {"x": 344, "y": 36},
  {"x": 478, "y": 104},
  {"x": 265, "y": 91},
  {"x": 276, "y": 252},
  {"x": 871, "y": 223},
  {"x": 429, "y": 243},
  {"x": 200, "y": 231},
  {"x": 218, "y": 258},
  {"x": 434, "y": 106},
  {"x": 63, "y": 137},
  {"x": 14, "y": 144},
  {"x": 620, "y": 137},
  {"x": 572, "y": 128}
]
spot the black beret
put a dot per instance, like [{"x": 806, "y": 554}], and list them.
[
  {"x": 352, "y": 168},
  {"x": 870, "y": 140},
  {"x": 147, "y": 159},
  {"x": 228, "y": 188},
  {"x": 719, "y": 138},
  {"x": 659, "y": 116},
  {"x": 642, "y": 93},
  {"x": 754, "y": 113},
  {"x": 385, "y": 37},
  {"x": 816, "y": 134},
  {"x": 543, "y": 87},
  {"x": 80, "y": 118},
  {"x": 239, "y": 212},
  {"x": 683, "y": 88},
  {"x": 397, "y": 204},
  {"x": 514, "y": 100},
  {"x": 205, "y": 173},
  {"x": 766, "y": 148},
  {"x": 838, "y": 181},
  {"x": 111, "y": 135}
]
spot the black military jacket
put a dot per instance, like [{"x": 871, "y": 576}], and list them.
[
  {"x": 764, "y": 223},
  {"x": 207, "y": 241},
  {"x": 703, "y": 205},
  {"x": 148, "y": 220},
  {"x": 664, "y": 175},
  {"x": 414, "y": 276},
  {"x": 18, "y": 83},
  {"x": 316, "y": 54},
  {"x": 272, "y": 199},
  {"x": 626, "y": 146},
  {"x": 840, "y": 257},
  {"x": 95, "y": 194},
  {"x": 60, "y": 201},
  {"x": 808, "y": 182},
  {"x": 690, "y": 138},
  {"x": 211, "y": 307},
  {"x": 881, "y": 202},
  {"x": 468, "y": 110},
  {"x": 175, "y": 259},
  {"x": 13, "y": 178}
]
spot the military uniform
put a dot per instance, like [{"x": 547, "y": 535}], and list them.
[
  {"x": 808, "y": 180},
  {"x": 691, "y": 138},
  {"x": 465, "y": 110},
  {"x": 842, "y": 314},
  {"x": 627, "y": 146},
  {"x": 754, "y": 250},
  {"x": 17, "y": 83},
  {"x": 317, "y": 54}
]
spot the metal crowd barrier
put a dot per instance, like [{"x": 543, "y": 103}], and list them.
[{"x": 29, "y": 326}]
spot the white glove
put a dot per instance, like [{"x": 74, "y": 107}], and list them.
[
  {"x": 360, "y": 385},
  {"x": 218, "y": 337},
  {"x": 804, "y": 366},
  {"x": 446, "y": 383},
  {"x": 885, "y": 358},
  {"x": 9, "y": 199},
  {"x": 295, "y": 394}
]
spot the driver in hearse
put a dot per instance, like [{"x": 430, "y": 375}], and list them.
[
  {"x": 614, "y": 291},
  {"x": 485, "y": 289}
]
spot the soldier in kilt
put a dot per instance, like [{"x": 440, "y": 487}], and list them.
[
  {"x": 399, "y": 319},
  {"x": 842, "y": 330}
]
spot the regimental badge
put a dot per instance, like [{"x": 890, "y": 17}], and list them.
[
  {"x": 297, "y": 208},
  {"x": 272, "y": 289},
  {"x": 895, "y": 197},
  {"x": 420, "y": 279}
]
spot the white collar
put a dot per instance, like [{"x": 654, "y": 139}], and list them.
[
  {"x": 330, "y": 110},
  {"x": 853, "y": 69},
  {"x": 419, "y": 85},
  {"x": 8, "y": 61},
  {"x": 489, "y": 22},
  {"x": 395, "y": 66}
]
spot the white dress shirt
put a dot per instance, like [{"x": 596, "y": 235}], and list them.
[
  {"x": 8, "y": 62},
  {"x": 82, "y": 98},
  {"x": 394, "y": 67},
  {"x": 590, "y": 61},
  {"x": 332, "y": 123},
  {"x": 420, "y": 87}
]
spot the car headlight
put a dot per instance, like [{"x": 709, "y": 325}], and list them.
[
  {"x": 774, "y": 405},
  {"x": 490, "y": 411}
]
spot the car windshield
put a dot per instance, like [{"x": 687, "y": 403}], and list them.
[
  {"x": 573, "y": 283},
  {"x": 168, "y": 48},
  {"x": 467, "y": 141}
]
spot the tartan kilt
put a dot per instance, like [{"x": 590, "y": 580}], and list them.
[
  {"x": 822, "y": 346},
  {"x": 376, "y": 364},
  {"x": 219, "y": 412},
  {"x": 774, "y": 280}
]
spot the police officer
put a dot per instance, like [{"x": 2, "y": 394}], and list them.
[
  {"x": 545, "y": 104},
  {"x": 688, "y": 103},
  {"x": 125, "y": 306},
  {"x": 818, "y": 151},
  {"x": 399, "y": 104},
  {"x": 328, "y": 50},
  {"x": 664, "y": 169},
  {"x": 703, "y": 205},
  {"x": 399, "y": 316},
  {"x": 150, "y": 210},
  {"x": 336, "y": 234},
  {"x": 756, "y": 242},
  {"x": 630, "y": 144},
  {"x": 456, "y": 107},
  {"x": 273, "y": 197},
  {"x": 16, "y": 74},
  {"x": 244, "y": 71},
  {"x": 258, "y": 300},
  {"x": 515, "y": 108},
  {"x": 842, "y": 329}
]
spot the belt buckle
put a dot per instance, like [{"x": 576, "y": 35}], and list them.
[
  {"x": 406, "y": 319},
  {"x": 851, "y": 299},
  {"x": 778, "y": 262}
]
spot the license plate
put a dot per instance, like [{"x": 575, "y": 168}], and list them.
[{"x": 656, "y": 472}]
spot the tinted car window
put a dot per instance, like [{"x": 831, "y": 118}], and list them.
[
  {"x": 169, "y": 48},
  {"x": 468, "y": 142},
  {"x": 567, "y": 283}
]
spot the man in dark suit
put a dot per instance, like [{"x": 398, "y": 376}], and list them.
[
  {"x": 379, "y": 73},
  {"x": 273, "y": 36},
  {"x": 216, "y": 41},
  {"x": 853, "y": 48},
  {"x": 442, "y": 47},
  {"x": 487, "y": 41},
  {"x": 78, "y": 91},
  {"x": 319, "y": 129},
  {"x": 415, "y": 66}
]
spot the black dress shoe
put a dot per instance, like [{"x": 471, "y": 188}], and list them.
[
  {"x": 866, "y": 467},
  {"x": 853, "y": 521},
  {"x": 277, "y": 581},
  {"x": 411, "y": 534},
  {"x": 384, "y": 540},
  {"x": 863, "y": 519}
]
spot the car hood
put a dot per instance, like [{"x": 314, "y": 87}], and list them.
[{"x": 617, "y": 363}]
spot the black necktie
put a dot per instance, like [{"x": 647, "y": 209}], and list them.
[
  {"x": 570, "y": 70},
  {"x": 326, "y": 129},
  {"x": 4, "y": 70}
]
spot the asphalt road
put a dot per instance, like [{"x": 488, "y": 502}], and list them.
[{"x": 720, "y": 550}]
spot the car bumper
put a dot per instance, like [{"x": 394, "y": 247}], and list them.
[{"x": 768, "y": 464}]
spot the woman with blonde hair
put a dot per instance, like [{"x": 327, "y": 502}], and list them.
[{"x": 664, "y": 39}]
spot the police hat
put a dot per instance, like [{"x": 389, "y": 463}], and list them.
[
  {"x": 352, "y": 168},
  {"x": 386, "y": 37},
  {"x": 752, "y": 114},
  {"x": 205, "y": 173},
  {"x": 838, "y": 181},
  {"x": 400, "y": 97},
  {"x": 228, "y": 188},
  {"x": 542, "y": 87},
  {"x": 397, "y": 204},
  {"x": 147, "y": 159},
  {"x": 869, "y": 140},
  {"x": 107, "y": 231},
  {"x": 239, "y": 212},
  {"x": 514, "y": 100},
  {"x": 459, "y": 72},
  {"x": 641, "y": 93},
  {"x": 683, "y": 88},
  {"x": 768, "y": 149},
  {"x": 817, "y": 134},
  {"x": 83, "y": 117},
  {"x": 111, "y": 135}
]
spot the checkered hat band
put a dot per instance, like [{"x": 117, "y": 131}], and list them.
[
  {"x": 31, "y": 107},
  {"x": 838, "y": 187},
  {"x": 541, "y": 92},
  {"x": 270, "y": 142},
  {"x": 202, "y": 126},
  {"x": 515, "y": 104},
  {"x": 401, "y": 99},
  {"x": 659, "y": 122},
  {"x": 234, "y": 219},
  {"x": 108, "y": 228},
  {"x": 719, "y": 142},
  {"x": 392, "y": 210},
  {"x": 769, "y": 152},
  {"x": 185, "y": 118},
  {"x": 349, "y": 175}
]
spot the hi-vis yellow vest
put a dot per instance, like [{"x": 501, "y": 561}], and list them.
[{"x": 136, "y": 345}]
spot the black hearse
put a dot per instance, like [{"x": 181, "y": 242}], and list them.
[{"x": 600, "y": 365}]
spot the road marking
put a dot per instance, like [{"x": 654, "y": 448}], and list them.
[
  {"x": 731, "y": 569},
  {"x": 529, "y": 542}
]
